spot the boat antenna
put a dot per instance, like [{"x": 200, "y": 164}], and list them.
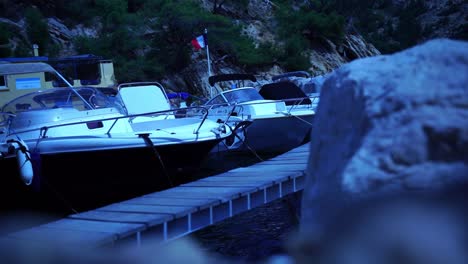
[{"x": 73, "y": 90}]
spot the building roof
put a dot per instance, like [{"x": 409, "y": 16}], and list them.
[{"x": 23, "y": 68}]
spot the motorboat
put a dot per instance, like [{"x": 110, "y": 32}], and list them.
[
  {"x": 260, "y": 125},
  {"x": 298, "y": 103},
  {"x": 85, "y": 148}
]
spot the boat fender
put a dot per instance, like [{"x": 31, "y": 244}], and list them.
[{"x": 23, "y": 158}]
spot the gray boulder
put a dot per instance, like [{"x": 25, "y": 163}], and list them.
[{"x": 386, "y": 125}]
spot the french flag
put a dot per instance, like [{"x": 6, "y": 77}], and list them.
[{"x": 199, "y": 42}]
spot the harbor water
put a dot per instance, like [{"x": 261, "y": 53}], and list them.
[{"x": 250, "y": 236}]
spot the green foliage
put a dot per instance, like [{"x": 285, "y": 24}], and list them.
[
  {"x": 5, "y": 34},
  {"x": 300, "y": 27},
  {"x": 371, "y": 22},
  {"x": 251, "y": 56},
  {"x": 217, "y": 4},
  {"x": 112, "y": 12},
  {"x": 37, "y": 29},
  {"x": 120, "y": 40},
  {"x": 148, "y": 39},
  {"x": 410, "y": 32},
  {"x": 82, "y": 11},
  {"x": 121, "y": 46},
  {"x": 293, "y": 57},
  {"x": 22, "y": 50},
  {"x": 180, "y": 21},
  {"x": 154, "y": 38}
]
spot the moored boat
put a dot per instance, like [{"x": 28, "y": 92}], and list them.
[
  {"x": 262, "y": 125},
  {"x": 85, "y": 148}
]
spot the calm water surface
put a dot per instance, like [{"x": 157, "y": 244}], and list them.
[{"x": 250, "y": 236}]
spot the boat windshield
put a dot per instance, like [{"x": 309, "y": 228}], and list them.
[
  {"x": 240, "y": 95},
  {"x": 61, "y": 98}
]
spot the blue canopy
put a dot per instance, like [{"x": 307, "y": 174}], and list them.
[{"x": 182, "y": 95}]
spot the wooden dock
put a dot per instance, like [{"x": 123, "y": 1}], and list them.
[{"x": 175, "y": 212}]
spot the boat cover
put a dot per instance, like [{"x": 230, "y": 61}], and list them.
[
  {"x": 231, "y": 77},
  {"x": 283, "y": 90}
]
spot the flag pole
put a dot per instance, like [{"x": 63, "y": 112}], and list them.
[
  {"x": 208, "y": 58},
  {"x": 207, "y": 52}
]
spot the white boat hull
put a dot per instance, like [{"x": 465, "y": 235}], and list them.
[{"x": 89, "y": 178}]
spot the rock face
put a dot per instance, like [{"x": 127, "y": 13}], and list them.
[
  {"x": 389, "y": 125},
  {"x": 445, "y": 18},
  {"x": 353, "y": 47}
]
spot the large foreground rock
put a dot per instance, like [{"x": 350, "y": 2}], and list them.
[{"x": 394, "y": 124}]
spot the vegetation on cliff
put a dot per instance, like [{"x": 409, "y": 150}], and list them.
[
  {"x": 152, "y": 37},
  {"x": 149, "y": 39}
]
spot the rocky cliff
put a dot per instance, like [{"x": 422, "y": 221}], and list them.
[
  {"x": 256, "y": 19},
  {"x": 440, "y": 18}
]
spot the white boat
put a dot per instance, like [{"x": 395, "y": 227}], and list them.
[
  {"x": 269, "y": 126},
  {"x": 80, "y": 143}
]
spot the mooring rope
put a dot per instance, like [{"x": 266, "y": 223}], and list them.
[
  {"x": 241, "y": 124},
  {"x": 150, "y": 143}
]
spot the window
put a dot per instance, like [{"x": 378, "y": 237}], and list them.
[
  {"x": 217, "y": 100},
  {"x": 88, "y": 73},
  {"x": 3, "y": 83}
]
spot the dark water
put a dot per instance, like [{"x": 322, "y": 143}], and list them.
[
  {"x": 250, "y": 236},
  {"x": 255, "y": 235}
]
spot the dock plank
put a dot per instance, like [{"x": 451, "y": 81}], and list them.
[
  {"x": 305, "y": 150},
  {"x": 255, "y": 174},
  {"x": 118, "y": 229},
  {"x": 229, "y": 191},
  {"x": 235, "y": 180},
  {"x": 278, "y": 167},
  {"x": 65, "y": 237},
  {"x": 253, "y": 185},
  {"x": 286, "y": 158},
  {"x": 221, "y": 193},
  {"x": 169, "y": 195},
  {"x": 270, "y": 168},
  {"x": 147, "y": 219},
  {"x": 175, "y": 211},
  {"x": 295, "y": 155},
  {"x": 198, "y": 203},
  {"x": 285, "y": 162}
]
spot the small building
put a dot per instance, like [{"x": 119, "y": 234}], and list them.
[{"x": 81, "y": 70}]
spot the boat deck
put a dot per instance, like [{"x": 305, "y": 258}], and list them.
[{"x": 166, "y": 215}]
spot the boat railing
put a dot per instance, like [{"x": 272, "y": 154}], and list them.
[
  {"x": 297, "y": 102},
  {"x": 229, "y": 113},
  {"x": 43, "y": 130},
  {"x": 5, "y": 121}
]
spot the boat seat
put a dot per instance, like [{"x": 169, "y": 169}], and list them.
[{"x": 145, "y": 99}]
